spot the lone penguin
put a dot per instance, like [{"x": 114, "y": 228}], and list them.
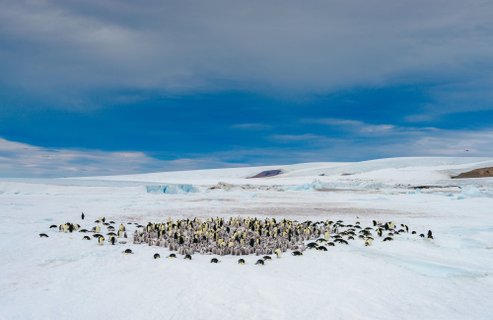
[
  {"x": 430, "y": 235},
  {"x": 82, "y": 215}
]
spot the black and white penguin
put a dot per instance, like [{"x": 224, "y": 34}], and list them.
[
  {"x": 113, "y": 240},
  {"x": 422, "y": 235},
  {"x": 157, "y": 256},
  {"x": 430, "y": 235},
  {"x": 172, "y": 256},
  {"x": 312, "y": 245},
  {"x": 297, "y": 253},
  {"x": 388, "y": 239},
  {"x": 82, "y": 215},
  {"x": 101, "y": 240},
  {"x": 241, "y": 261},
  {"x": 188, "y": 257},
  {"x": 214, "y": 260},
  {"x": 128, "y": 251},
  {"x": 86, "y": 238},
  {"x": 260, "y": 262},
  {"x": 341, "y": 241},
  {"x": 53, "y": 226},
  {"x": 43, "y": 235},
  {"x": 267, "y": 258},
  {"x": 322, "y": 248}
]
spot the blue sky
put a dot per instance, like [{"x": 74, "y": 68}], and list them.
[{"x": 110, "y": 87}]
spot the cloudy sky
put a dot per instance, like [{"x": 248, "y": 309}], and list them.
[{"x": 93, "y": 87}]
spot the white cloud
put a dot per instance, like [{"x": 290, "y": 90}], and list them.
[
  {"x": 355, "y": 126},
  {"x": 62, "y": 50},
  {"x": 24, "y": 160}
]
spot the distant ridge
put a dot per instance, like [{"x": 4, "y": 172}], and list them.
[{"x": 476, "y": 173}]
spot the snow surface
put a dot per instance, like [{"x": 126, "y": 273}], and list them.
[{"x": 63, "y": 277}]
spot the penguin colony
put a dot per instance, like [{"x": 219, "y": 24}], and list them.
[{"x": 241, "y": 236}]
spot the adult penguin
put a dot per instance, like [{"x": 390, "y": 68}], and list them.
[
  {"x": 278, "y": 253},
  {"x": 128, "y": 251},
  {"x": 113, "y": 240},
  {"x": 241, "y": 261},
  {"x": 188, "y": 257},
  {"x": 214, "y": 260},
  {"x": 157, "y": 256},
  {"x": 43, "y": 235},
  {"x": 172, "y": 256},
  {"x": 430, "y": 235},
  {"x": 260, "y": 262},
  {"x": 297, "y": 253},
  {"x": 101, "y": 240},
  {"x": 86, "y": 238},
  {"x": 82, "y": 215}
]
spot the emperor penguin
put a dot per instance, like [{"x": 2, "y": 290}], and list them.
[
  {"x": 297, "y": 253},
  {"x": 368, "y": 242},
  {"x": 172, "y": 256},
  {"x": 278, "y": 252},
  {"x": 241, "y": 261},
  {"x": 188, "y": 257},
  {"x": 214, "y": 260},
  {"x": 43, "y": 235},
  {"x": 101, "y": 240},
  {"x": 128, "y": 251},
  {"x": 113, "y": 240},
  {"x": 82, "y": 215},
  {"x": 157, "y": 256},
  {"x": 260, "y": 262},
  {"x": 430, "y": 235}
]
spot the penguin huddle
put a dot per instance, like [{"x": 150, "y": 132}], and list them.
[{"x": 240, "y": 235}]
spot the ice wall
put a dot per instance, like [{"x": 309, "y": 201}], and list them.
[{"x": 171, "y": 188}]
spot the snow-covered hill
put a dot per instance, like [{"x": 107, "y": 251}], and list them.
[{"x": 63, "y": 277}]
